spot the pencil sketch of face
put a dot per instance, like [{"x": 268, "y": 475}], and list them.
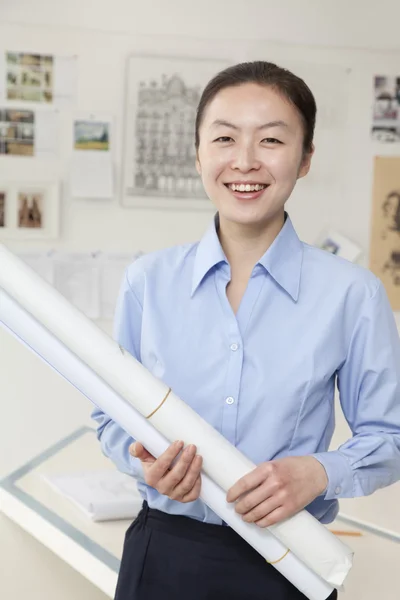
[{"x": 391, "y": 211}]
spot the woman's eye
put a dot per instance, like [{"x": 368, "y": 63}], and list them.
[
  {"x": 223, "y": 138},
  {"x": 271, "y": 141}
]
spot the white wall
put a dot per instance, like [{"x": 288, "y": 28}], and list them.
[
  {"x": 355, "y": 24},
  {"x": 37, "y": 407}
]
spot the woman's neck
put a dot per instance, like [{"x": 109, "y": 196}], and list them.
[{"x": 245, "y": 245}]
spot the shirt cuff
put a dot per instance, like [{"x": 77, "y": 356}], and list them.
[{"x": 339, "y": 473}]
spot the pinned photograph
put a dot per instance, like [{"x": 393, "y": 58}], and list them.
[
  {"x": 386, "y": 110},
  {"x": 338, "y": 244},
  {"x": 91, "y": 135},
  {"x": 30, "y": 210},
  {"x": 29, "y": 77},
  {"x": 17, "y": 132},
  {"x": 330, "y": 246},
  {"x": 3, "y": 197}
]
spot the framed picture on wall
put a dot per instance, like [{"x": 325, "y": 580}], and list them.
[
  {"x": 161, "y": 97},
  {"x": 29, "y": 211}
]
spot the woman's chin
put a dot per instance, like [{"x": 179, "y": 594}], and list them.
[{"x": 242, "y": 217}]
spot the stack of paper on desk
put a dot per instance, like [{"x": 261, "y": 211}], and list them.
[{"x": 102, "y": 495}]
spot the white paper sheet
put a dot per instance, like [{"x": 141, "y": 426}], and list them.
[
  {"x": 101, "y": 495},
  {"x": 91, "y": 176},
  {"x": 47, "y": 134},
  {"x": 65, "y": 80},
  {"x": 91, "y": 169},
  {"x": 31, "y": 333},
  {"x": 77, "y": 279},
  {"x": 90, "y": 281},
  {"x": 42, "y": 263}
]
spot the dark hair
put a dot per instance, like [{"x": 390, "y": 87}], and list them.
[{"x": 265, "y": 73}]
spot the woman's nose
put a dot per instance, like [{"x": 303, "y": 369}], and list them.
[{"x": 245, "y": 159}]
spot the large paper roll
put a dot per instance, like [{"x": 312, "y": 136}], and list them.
[
  {"x": 310, "y": 541},
  {"x": 32, "y": 334}
]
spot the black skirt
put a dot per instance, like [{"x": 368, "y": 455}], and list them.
[{"x": 168, "y": 557}]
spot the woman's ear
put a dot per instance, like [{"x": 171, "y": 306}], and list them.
[
  {"x": 306, "y": 163},
  {"x": 198, "y": 165}
]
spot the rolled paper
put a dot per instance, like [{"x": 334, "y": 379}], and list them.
[
  {"x": 310, "y": 541},
  {"x": 33, "y": 335}
]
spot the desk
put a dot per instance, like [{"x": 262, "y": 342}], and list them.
[{"x": 93, "y": 549}]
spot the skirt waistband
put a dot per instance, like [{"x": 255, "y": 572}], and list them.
[{"x": 192, "y": 529}]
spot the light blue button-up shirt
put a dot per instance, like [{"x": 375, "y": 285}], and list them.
[{"x": 265, "y": 377}]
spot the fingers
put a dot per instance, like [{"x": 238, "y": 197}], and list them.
[
  {"x": 262, "y": 510},
  {"x": 188, "y": 488},
  {"x": 249, "y": 482},
  {"x": 173, "y": 474},
  {"x": 274, "y": 517},
  {"x": 163, "y": 463},
  {"x": 251, "y": 500},
  {"x": 137, "y": 450},
  {"x": 195, "y": 493},
  {"x": 181, "y": 478}
]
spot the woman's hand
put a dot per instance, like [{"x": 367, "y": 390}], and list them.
[
  {"x": 177, "y": 477},
  {"x": 278, "y": 489}
]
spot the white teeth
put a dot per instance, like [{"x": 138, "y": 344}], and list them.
[{"x": 246, "y": 187}]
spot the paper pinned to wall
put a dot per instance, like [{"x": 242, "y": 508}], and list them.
[
  {"x": 41, "y": 262},
  {"x": 30, "y": 77},
  {"x": 77, "y": 278},
  {"x": 89, "y": 280},
  {"x": 65, "y": 89},
  {"x": 91, "y": 177},
  {"x": 91, "y": 169},
  {"x": 29, "y": 133},
  {"x": 386, "y": 111},
  {"x": 336, "y": 243},
  {"x": 384, "y": 255},
  {"x": 47, "y": 127}
]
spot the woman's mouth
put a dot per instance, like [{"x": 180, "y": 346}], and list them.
[{"x": 245, "y": 190}]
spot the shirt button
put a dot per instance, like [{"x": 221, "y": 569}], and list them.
[
  {"x": 338, "y": 490},
  {"x": 234, "y": 347},
  {"x": 230, "y": 400}
]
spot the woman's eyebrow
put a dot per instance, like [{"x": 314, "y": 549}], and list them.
[{"x": 269, "y": 125}]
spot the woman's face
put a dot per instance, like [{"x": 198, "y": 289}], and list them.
[
  {"x": 251, "y": 136},
  {"x": 391, "y": 206}
]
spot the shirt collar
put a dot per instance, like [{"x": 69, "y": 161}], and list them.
[
  {"x": 209, "y": 253},
  {"x": 282, "y": 260}
]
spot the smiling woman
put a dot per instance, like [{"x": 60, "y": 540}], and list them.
[
  {"x": 254, "y": 139},
  {"x": 252, "y": 334}
]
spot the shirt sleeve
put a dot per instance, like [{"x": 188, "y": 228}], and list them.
[
  {"x": 369, "y": 392},
  {"x": 114, "y": 440}
]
